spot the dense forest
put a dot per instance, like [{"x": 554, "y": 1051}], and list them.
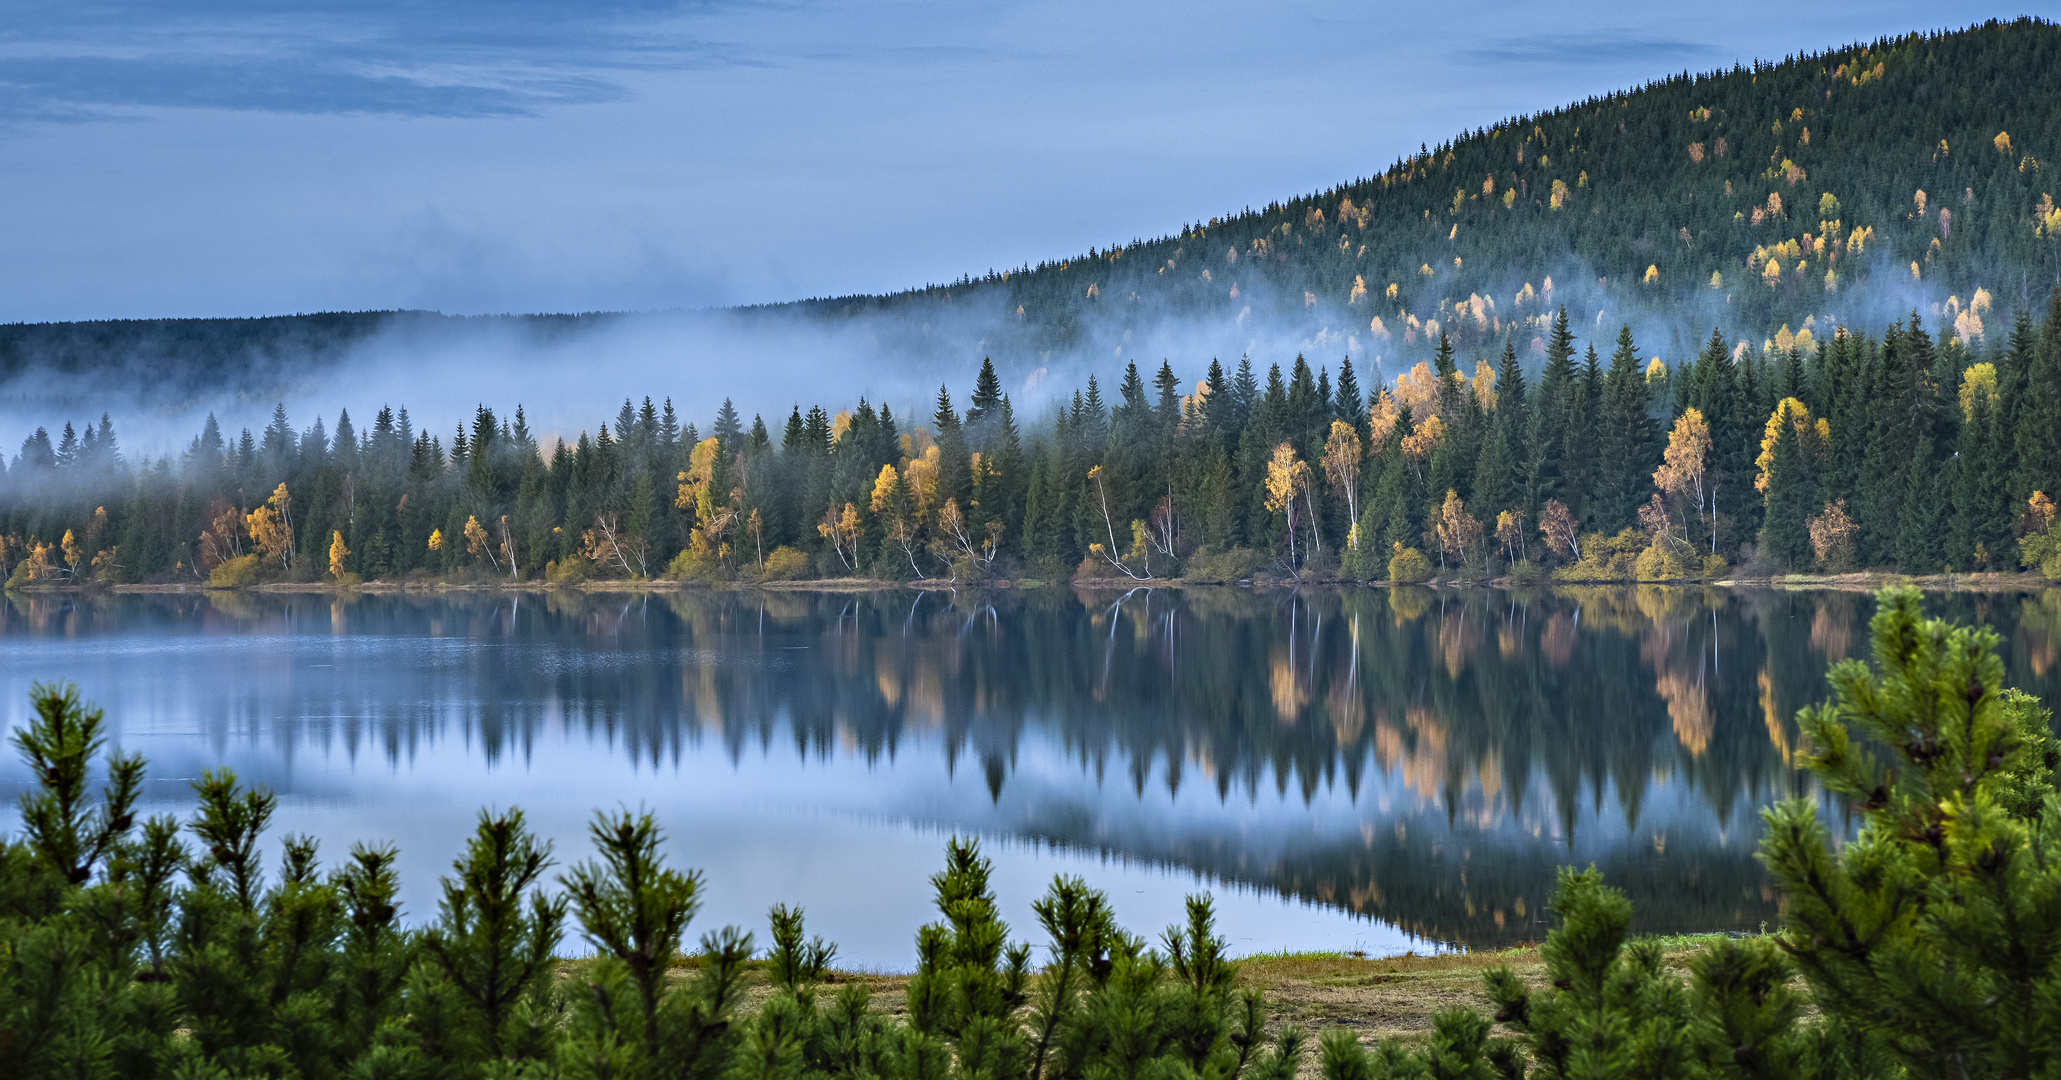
[
  {"x": 1831, "y": 199},
  {"x": 1892, "y": 449}
]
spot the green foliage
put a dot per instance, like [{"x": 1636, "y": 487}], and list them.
[
  {"x": 1928, "y": 944},
  {"x": 1664, "y": 560},
  {"x": 574, "y": 569},
  {"x": 1722, "y": 184},
  {"x": 108, "y": 968},
  {"x": 1408, "y": 566},
  {"x": 1571, "y": 475},
  {"x": 1933, "y": 929},
  {"x": 1613, "y": 558},
  {"x": 67, "y": 830},
  {"x": 785, "y": 564},
  {"x": 495, "y": 935},
  {"x": 234, "y": 573}
]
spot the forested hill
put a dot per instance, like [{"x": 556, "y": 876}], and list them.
[
  {"x": 1821, "y": 188},
  {"x": 1850, "y": 187},
  {"x": 191, "y": 355}
]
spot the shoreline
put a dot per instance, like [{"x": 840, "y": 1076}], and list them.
[{"x": 1862, "y": 581}]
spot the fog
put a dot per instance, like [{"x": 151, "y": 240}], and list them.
[{"x": 570, "y": 375}]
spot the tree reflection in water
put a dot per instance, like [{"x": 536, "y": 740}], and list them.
[{"x": 1474, "y": 738}]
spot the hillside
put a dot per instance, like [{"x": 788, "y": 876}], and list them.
[
  {"x": 1627, "y": 439},
  {"x": 1845, "y": 186},
  {"x": 1848, "y": 187}
]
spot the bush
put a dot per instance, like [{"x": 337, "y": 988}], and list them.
[
  {"x": 235, "y": 573},
  {"x": 571, "y": 570},
  {"x": 1607, "y": 558},
  {"x": 1233, "y": 564},
  {"x": 1408, "y": 566},
  {"x": 785, "y": 564},
  {"x": 1665, "y": 561},
  {"x": 26, "y": 571},
  {"x": 2040, "y": 548}
]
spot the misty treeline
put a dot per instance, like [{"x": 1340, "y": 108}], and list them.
[
  {"x": 1775, "y": 200},
  {"x": 1871, "y": 451},
  {"x": 1923, "y": 946}
]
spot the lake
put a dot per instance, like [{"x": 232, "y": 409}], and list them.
[{"x": 1374, "y": 770}]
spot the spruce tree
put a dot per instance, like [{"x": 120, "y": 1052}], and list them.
[
  {"x": 1347, "y": 402},
  {"x": 1921, "y": 524},
  {"x": 2038, "y": 417},
  {"x": 985, "y": 405},
  {"x": 954, "y": 475},
  {"x": 1578, "y": 443},
  {"x": 1625, "y": 438}
]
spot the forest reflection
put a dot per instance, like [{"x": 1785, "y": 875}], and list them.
[{"x": 1439, "y": 752}]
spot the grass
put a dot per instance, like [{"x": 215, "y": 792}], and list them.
[{"x": 1376, "y": 997}]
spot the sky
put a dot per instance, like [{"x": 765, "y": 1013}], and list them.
[{"x": 253, "y": 157}]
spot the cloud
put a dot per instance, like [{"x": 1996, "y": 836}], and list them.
[
  {"x": 1579, "y": 49},
  {"x": 454, "y": 58}
]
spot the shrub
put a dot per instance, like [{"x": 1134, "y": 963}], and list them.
[
  {"x": 235, "y": 573},
  {"x": 1408, "y": 566},
  {"x": 1232, "y": 564},
  {"x": 1607, "y": 558},
  {"x": 1524, "y": 570},
  {"x": 571, "y": 570},
  {"x": 1665, "y": 561},
  {"x": 785, "y": 564},
  {"x": 2040, "y": 549}
]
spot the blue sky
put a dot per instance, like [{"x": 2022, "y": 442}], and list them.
[{"x": 244, "y": 157}]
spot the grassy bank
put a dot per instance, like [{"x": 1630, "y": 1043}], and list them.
[{"x": 1379, "y": 998}]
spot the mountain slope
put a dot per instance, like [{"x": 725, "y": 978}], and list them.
[
  {"x": 1851, "y": 186},
  {"x": 1848, "y": 185}
]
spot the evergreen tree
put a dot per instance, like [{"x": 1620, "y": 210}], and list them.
[
  {"x": 1791, "y": 497},
  {"x": 2038, "y": 418},
  {"x": 1921, "y": 525},
  {"x": 1348, "y": 403},
  {"x": 1545, "y": 439},
  {"x": 1578, "y": 442},
  {"x": 1625, "y": 437}
]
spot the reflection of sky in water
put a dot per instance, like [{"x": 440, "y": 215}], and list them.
[
  {"x": 854, "y": 841},
  {"x": 1425, "y": 761}
]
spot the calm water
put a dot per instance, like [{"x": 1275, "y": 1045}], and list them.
[{"x": 1364, "y": 769}]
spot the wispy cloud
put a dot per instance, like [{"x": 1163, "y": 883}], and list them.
[
  {"x": 456, "y": 58},
  {"x": 1583, "y": 49}
]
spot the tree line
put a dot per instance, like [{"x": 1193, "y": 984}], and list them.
[{"x": 1888, "y": 450}]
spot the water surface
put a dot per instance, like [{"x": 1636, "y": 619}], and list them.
[{"x": 1357, "y": 769}]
